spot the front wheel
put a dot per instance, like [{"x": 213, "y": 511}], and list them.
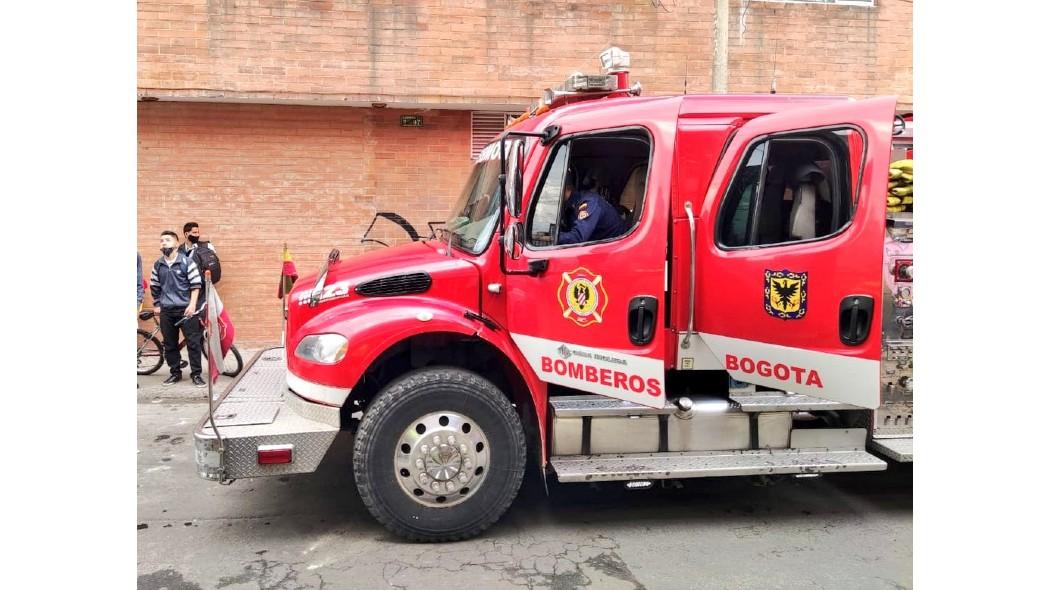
[
  {"x": 150, "y": 353},
  {"x": 439, "y": 455}
]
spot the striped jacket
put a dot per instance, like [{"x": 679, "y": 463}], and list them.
[{"x": 171, "y": 286}]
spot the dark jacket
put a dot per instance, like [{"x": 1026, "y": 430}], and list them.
[
  {"x": 593, "y": 219},
  {"x": 171, "y": 286}
]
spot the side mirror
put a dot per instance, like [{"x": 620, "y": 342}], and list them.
[
  {"x": 513, "y": 240},
  {"x": 519, "y": 178},
  {"x": 511, "y": 177}
]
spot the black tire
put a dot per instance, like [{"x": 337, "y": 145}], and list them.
[
  {"x": 232, "y": 364},
  {"x": 150, "y": 353},
  {"x": 397, "y": 407}
]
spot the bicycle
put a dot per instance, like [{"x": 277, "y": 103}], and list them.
[{"x": 150, "y": 353}]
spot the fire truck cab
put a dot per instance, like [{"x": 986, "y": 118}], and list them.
[{"x": 734, "y": 326}]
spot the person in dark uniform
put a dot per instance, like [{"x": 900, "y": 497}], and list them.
[{"x": 590, "y": 216}]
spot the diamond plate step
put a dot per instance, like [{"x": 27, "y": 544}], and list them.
[
  {"x": 583, "y": 468},
  {"x": 573, "y": 406},
  {"x": 259, "y": 409},
  {"x": 770, "y": 401},
  {"x": 898, "y": 449}
]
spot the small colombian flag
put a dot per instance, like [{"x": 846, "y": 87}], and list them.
[{"x": 288, "y": 274}]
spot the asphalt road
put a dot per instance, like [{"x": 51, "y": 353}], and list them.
[{"x": 311, "y": 531}]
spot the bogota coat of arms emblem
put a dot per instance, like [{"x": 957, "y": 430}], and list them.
[{"x": 786, "y": 294}]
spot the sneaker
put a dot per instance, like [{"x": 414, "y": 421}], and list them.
[
  {"x": 173, "y": 379},
  {"x": 197, "y": 381}
]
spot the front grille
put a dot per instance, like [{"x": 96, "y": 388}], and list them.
[{"x": 406, "y": 284}]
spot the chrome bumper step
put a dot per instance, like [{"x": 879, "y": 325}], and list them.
[
  {"x": 588, "y": 468},
  {"x": 898, "y": 449},
  {"x": 259, "y": 410}
]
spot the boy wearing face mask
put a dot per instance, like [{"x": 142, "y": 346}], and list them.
[
  {"x": 175, "y": 285},
  {"x": 192, "y": 233}
]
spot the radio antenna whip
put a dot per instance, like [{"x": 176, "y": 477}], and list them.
[{"x": 773, "y": 82}]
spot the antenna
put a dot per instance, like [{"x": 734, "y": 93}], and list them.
[
  {"x": 685, "y": 80},
  {"x": 773, "y": 82}
]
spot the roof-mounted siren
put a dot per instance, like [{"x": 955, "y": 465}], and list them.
[{"x": 617, "y": 62}]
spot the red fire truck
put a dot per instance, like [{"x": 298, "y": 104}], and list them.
[{"x": 752, "y": 318}]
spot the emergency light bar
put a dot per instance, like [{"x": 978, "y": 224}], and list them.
[
  {"x": 616, "y": 64},
  {"x": 583, "y": 83}
]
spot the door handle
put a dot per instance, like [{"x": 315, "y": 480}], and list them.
[
  {"x": 855, "y": 313},
  {"x": 641, "y": 319}
]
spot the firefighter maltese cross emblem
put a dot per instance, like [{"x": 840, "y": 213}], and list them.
[
  {"x": 582, "y": 297},
  {"x": 786, "y": 293}
]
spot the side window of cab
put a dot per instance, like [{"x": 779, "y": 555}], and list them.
[
  {"x": 592, "y": 190},
  {"x": 791, "y": 188}
]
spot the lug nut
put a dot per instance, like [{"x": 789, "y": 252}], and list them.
[
  {"x": 449, "y": 486},
  {"x": 463, "y": 477},
  {"x": 437, "y": 439},
  {"x": 463, "y": 449},
  {"x": 435, "y": 486},
  {"x": 451, "y": 440},
  {"x": 419, "y": 463},
  {"x": 423, "y": 479},
  {"x": 423, "y": 449}
]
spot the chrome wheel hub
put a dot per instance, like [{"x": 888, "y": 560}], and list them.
[{"x": 441, "y": 459}]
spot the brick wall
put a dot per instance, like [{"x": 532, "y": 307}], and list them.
[
  {"x": 255, "y": 176},
  {"x": 506, "y": 52}
]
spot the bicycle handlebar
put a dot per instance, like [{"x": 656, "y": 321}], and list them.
[{"x": 151, "y": 315}]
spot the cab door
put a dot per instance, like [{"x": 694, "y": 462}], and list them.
[
  {"x": 591, "y": 315},
  {"x": 789, "y": 251}
]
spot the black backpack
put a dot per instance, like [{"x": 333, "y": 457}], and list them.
[{"x": 207, "y": 259}]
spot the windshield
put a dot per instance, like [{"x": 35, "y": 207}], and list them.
[{"x": 476, "y": 211}]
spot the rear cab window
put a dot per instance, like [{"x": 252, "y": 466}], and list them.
[{"x": 791, "y": 188}]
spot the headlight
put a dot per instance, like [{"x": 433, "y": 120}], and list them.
[{"x": 327, "y": 349}]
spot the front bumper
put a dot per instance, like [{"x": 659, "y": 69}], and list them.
[{"x": 258, "y": 410}]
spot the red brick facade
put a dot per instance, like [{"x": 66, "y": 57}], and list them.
[
  {"x": 507, "y": 52},
  {"x": 258, "y": 175}
]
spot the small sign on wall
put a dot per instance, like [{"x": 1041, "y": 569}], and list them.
[{"x": 411, "y": 121}]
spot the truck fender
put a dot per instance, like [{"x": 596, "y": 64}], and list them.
[{"x": 375, "y": 325}]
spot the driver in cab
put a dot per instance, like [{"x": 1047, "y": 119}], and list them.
[{"x": 590, "y": 216}]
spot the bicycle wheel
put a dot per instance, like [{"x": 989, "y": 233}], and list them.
[
  {"x": 231, "y": 363},
  {"x": 150, "y": 354}
]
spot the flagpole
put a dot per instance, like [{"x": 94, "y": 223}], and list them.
[
  {"x": 213, "y": 358},
  {"x": 284, "y": 298}
]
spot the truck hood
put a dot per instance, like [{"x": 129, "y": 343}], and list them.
[{"x": 415, "y": 269}]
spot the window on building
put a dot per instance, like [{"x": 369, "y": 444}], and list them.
[
  {"x": 791, "y": 188},
  {"x": 484, "y": 127},
  {"x": 613, "y": 166}
]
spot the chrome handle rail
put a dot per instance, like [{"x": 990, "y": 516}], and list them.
[{"x": 692, "y": 271}]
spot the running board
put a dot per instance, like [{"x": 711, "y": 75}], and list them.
[
  {"x": 898, "y": 449},
  {"x": 590, "y": 468},
  {"x": 774, "y": 401},
  {"x": 575, "y": 406}
]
